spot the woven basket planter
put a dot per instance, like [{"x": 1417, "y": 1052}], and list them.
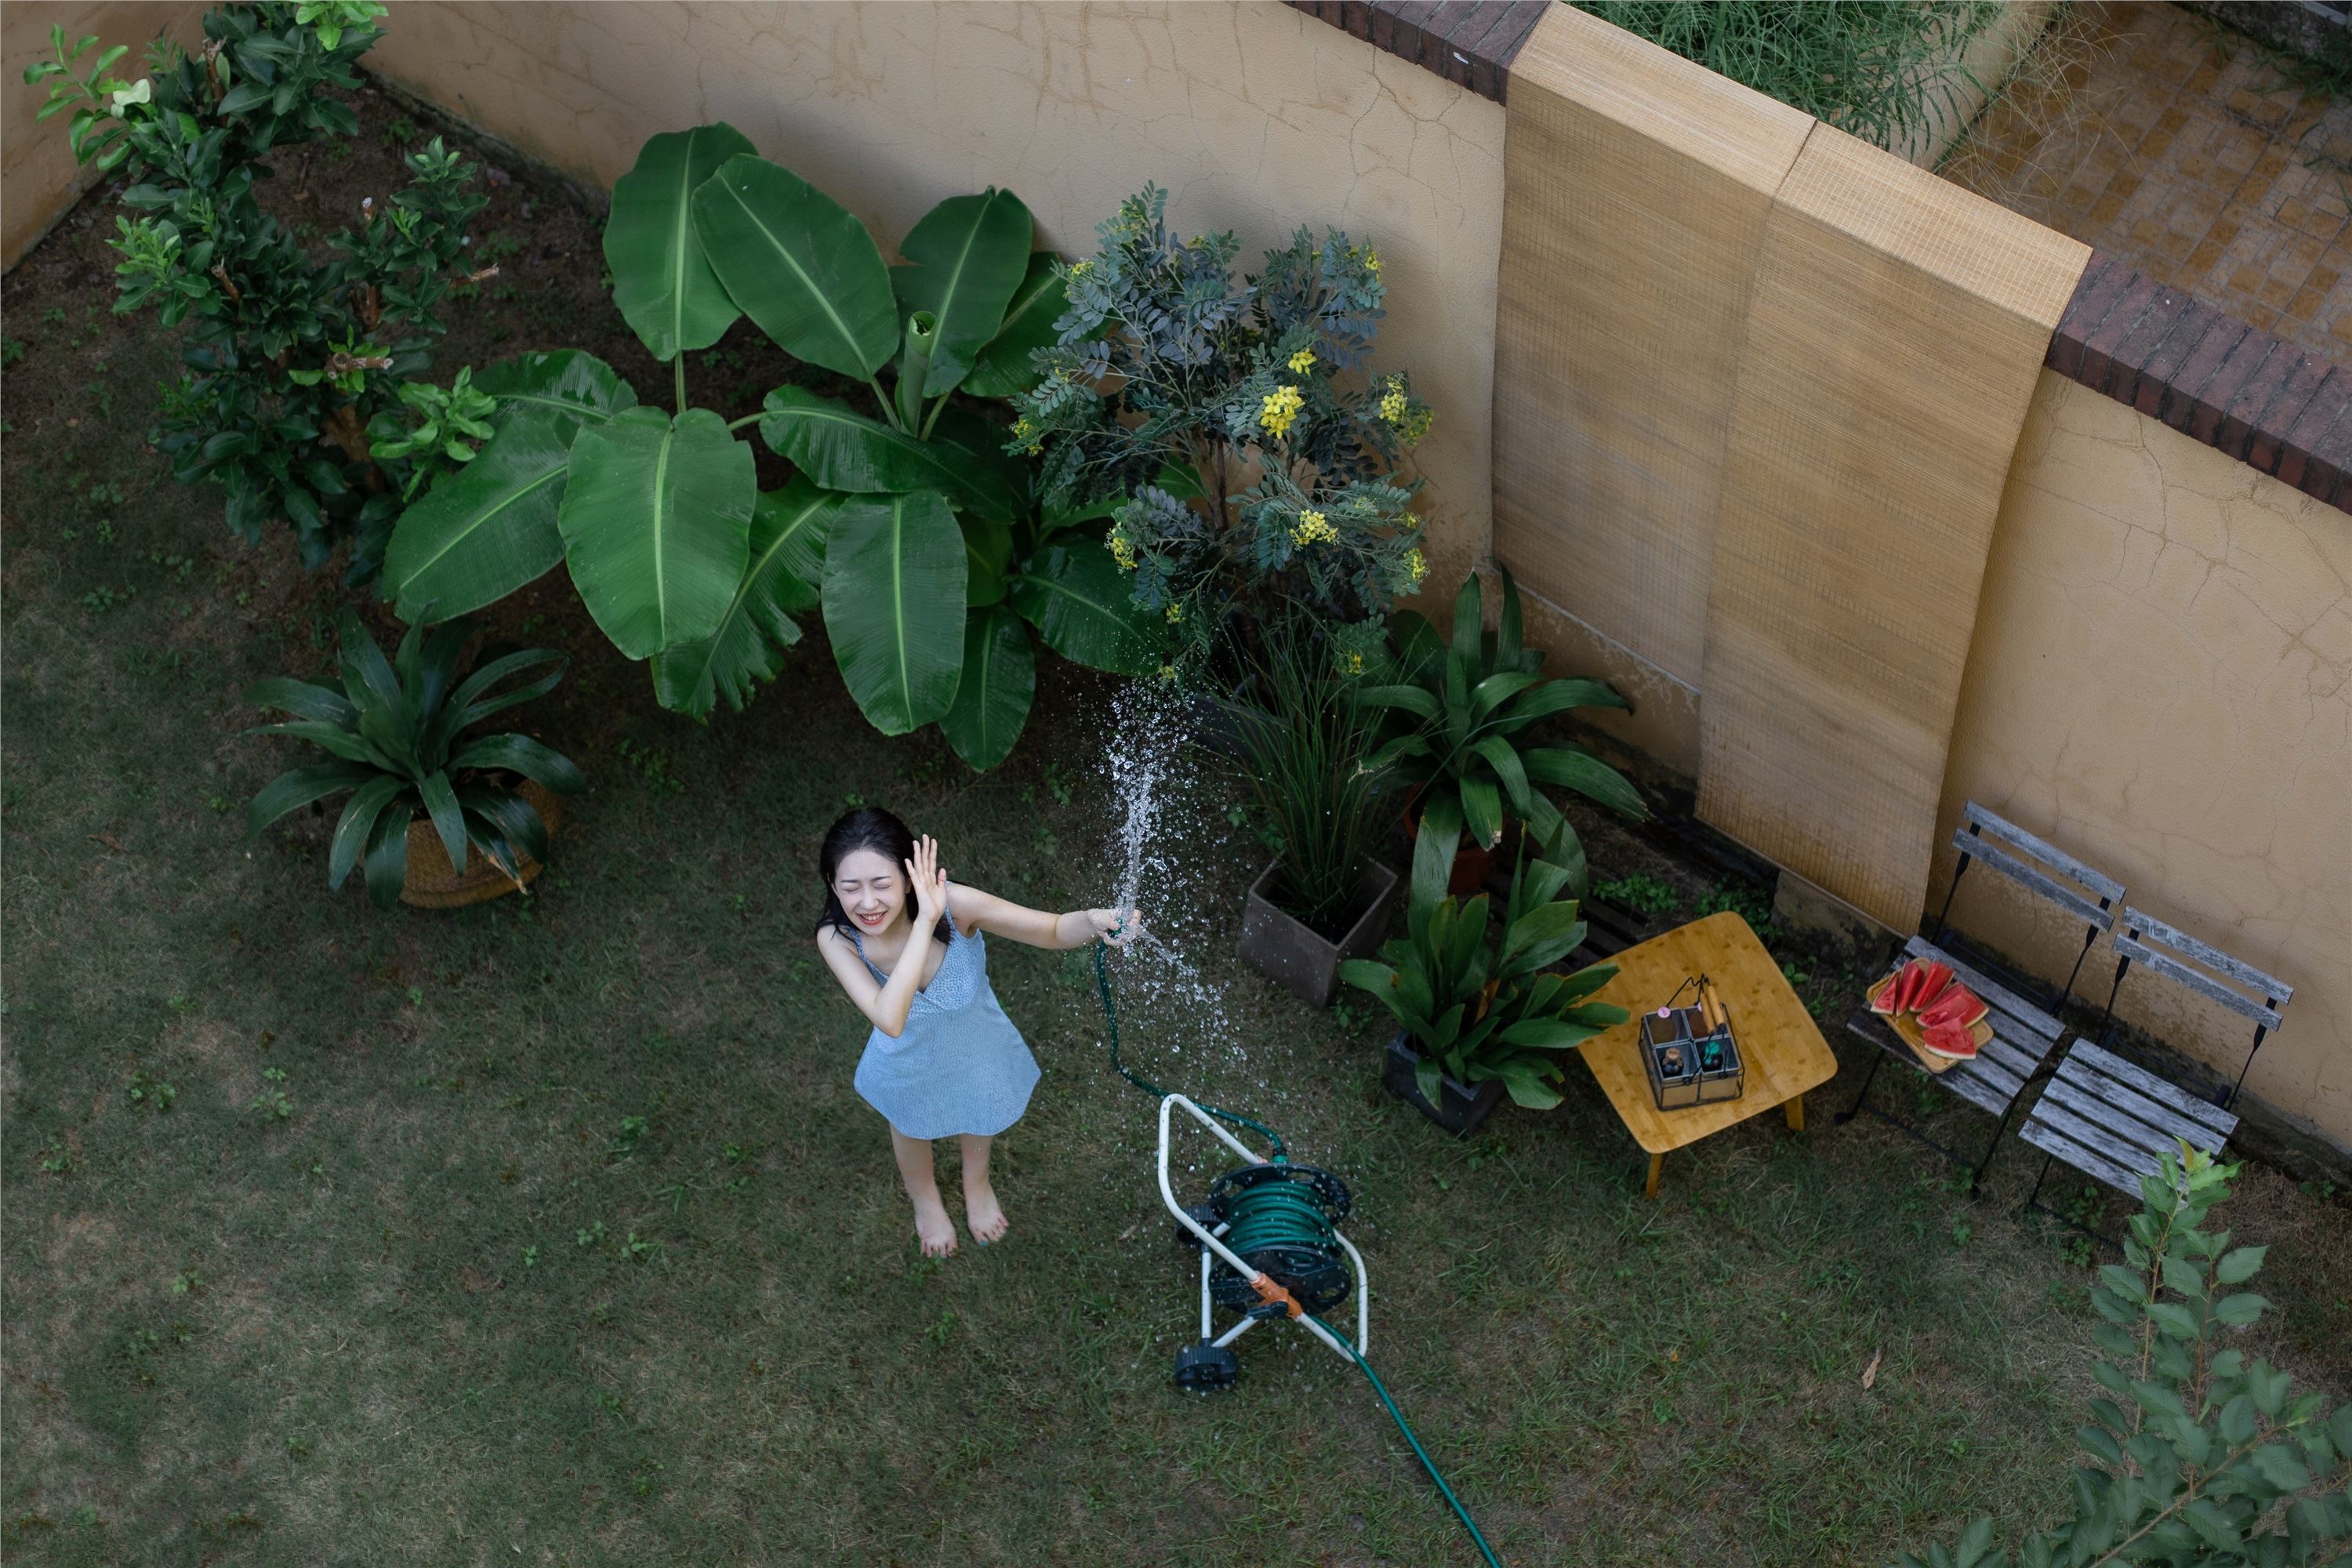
[{"x": 433, "y": 884}]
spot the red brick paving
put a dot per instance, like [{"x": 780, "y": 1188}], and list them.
[{"x": 2173, "y": 144}]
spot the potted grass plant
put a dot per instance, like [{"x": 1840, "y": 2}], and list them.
[
  {"x": 1459, "y": 712},
  {"x": 394, "y": 730},
  {"x": 1302, "y": 749},
  {"x": 1480, "y": 1015}
]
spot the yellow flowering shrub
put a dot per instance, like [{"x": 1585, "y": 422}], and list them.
[
  {"x": 1280, "y": 410},
  {"x": 1313, "y": 528}
]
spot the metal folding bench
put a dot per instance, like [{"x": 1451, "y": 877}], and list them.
[
  {"x": 2112, "y": 1120},
  {"x": 2024, "y": 1031}
]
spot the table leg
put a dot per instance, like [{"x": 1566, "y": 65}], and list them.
[
  {"x": 1795, "y": 1110},
  {"x": 1657, "y": 1163}
]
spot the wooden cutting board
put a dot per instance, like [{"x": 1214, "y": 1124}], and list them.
[{"x": 1906, "y": 1029}]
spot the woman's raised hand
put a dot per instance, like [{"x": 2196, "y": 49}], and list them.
[{"x": 931, "y": 883}]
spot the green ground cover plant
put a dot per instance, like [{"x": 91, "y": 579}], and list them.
[{"x": 551, "y": 1231}]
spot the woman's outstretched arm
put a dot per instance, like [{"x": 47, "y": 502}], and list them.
[{"x": 977, "y": 911}]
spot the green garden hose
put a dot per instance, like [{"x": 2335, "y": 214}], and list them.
[{"x": 1284, "y": 1213}]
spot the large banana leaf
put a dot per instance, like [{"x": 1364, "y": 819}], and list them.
[
  {"x": 968, "y": 255},
  {"x": 489, "y": 528},
  {"x": 1000, "y": 679},
  {"x": 847, "y": 451},
  {"x": 1001, "y": 368},
  {"x": 656, "y": 518},
  {"x": 788, "y": 532},
  {"x": 987, "y": 549},
  {"x": 894, "y": 580},
  {"x": 799, "y": 265},
  {"x": 662, "y": 281},
  {"x": 1079, "y": 601},
  {"x": 570, "y": 382}
]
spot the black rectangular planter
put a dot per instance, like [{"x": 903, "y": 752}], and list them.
[
  {"x": 1461, "y": 1110},
  {"x": 1291, "y": 954}
]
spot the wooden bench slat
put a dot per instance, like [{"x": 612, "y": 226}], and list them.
[
  {"x": 2205, "y": 985},
  {"x": 2149, "y": 928},
  {"x": 2085, "y": 909},
  {"x": 2036, "y": 1019},
  {"x": 2010, "y": 1040},
  {"x": 2051, "y": 1140},
  {"x": 2004, "y": 1072},
  {"x": 1980, "y": 1091},
  {"x": 2130, "y": 1117},
  {"x": 2042, "y": 849},
  {"x": 2218, "y": 1122}
]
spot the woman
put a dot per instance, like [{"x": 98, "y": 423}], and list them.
[{"x": 943, "y": 1059}]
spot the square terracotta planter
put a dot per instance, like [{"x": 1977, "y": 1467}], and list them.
[
  {"x": 1461, "y": 1110},
  {"x": 1293, "y": 956}
]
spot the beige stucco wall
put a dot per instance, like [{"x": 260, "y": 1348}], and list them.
[
  {"x": 2161, "y": 683},
  {"x": 1255, "y": 117},
  {"x": 38, "y": 177}
]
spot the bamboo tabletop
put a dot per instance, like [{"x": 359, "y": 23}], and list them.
[{"x": 1783, "y": 1049}]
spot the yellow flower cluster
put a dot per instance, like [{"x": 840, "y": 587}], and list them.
[
  {"x": 1122, "y": 550},
  {"x": 1166, "y": 673},
  {"x": 1372, "y": 262},
  {"x": 1392, "y": 405},
  {"x": 1022, "y": 428},
  {"x": 1313, "y": 528},
  {"x": 1080, "y": 269},
  {"x": 1175, "y": 615},
  {"x": 1279, "y": 411},
  {"x": 1396, "y": 407},
  {"x": 1355, "y": 663},
  {"x": 1415, "y": 566},
  {"x": 1302, "y": 361}
]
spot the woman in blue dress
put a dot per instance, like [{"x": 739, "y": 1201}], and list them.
[{"x": 943, "y": 1061}]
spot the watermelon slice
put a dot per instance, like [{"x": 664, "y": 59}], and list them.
[
  {"x": 1957, "y": 1041},
  {"x": 1926, "y": 982},
  {"x": 1957, "y": 1005},
  {"x": 1885, "y": 994}
]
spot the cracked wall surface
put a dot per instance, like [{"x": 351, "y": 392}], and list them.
[
  {"x": 1256, "y": 118},
  {"x": 39, "y": 179},
  {"x": 2161, "y": 683}
]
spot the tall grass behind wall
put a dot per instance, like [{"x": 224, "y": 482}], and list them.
[{"x": 1885, "y": 70}]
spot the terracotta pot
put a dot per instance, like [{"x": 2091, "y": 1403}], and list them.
[
  {"x": 1294, "y": 955},
  {"x": 1472, "y": 863},
  {"x": 1461, "y": 1110},
  {"x": 432, "y": 883}
]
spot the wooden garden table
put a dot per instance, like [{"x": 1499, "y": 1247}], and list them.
[{"x": 1779, "y": 1044}]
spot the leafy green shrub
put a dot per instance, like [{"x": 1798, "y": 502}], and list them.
[
  {"x": 393, "y": 728},
  {"x": 1480, "y": 1008},
  {"x": 922, "y": 541},
  {"x": 2200, "y": 1454},
  {"x": 1305, "y": 746},
  {"x": 1884, "y": 70},
  {"x": 289, "y": 358},
  {"x": 1211, "y": 418},
  {"x": 1463, "y": 708}
]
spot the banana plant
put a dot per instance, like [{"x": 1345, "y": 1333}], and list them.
[
  {"x": 1461, "y": 708},
  {"x": 907, "y": 526},
  {"x": 1478, "y": 1008}
]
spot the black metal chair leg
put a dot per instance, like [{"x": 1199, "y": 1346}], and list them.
[
  {"x": 1984, "y": 1164},
  {"x": 2028, "y": 1206},
  {"x": 1877, "y": 1058}
]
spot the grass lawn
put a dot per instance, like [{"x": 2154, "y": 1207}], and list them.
[{"x": 551, "y": 1231}]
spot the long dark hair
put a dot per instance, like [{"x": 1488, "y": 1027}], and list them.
[{"x": 867, "y": 827}]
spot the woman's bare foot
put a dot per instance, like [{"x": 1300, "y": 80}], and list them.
[
  {"x": 983, "y": 1213},
  {"x": 933, "y": 1227}
]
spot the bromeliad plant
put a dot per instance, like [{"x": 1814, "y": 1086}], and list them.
[
  {"x": 1234, "y": 430},
  {"x": 289, "y": 357},
  {"x": 908, "y": 524},
  {"x": 1478, "y": 1008},
  {"x": 1464, "y": 708},
  {"x": 2200, "y": 1454},
  {"x": 394, "y": 730}
]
